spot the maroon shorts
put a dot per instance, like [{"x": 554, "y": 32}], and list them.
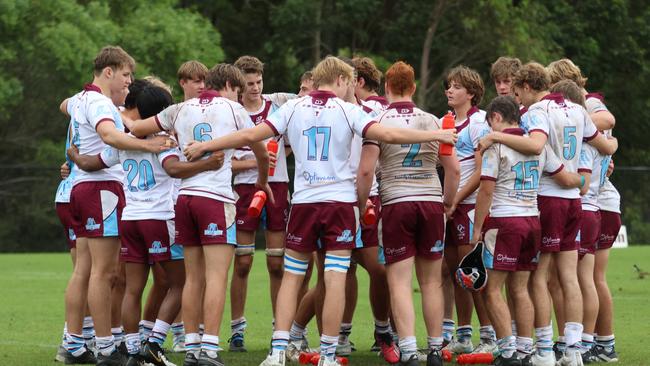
[
  {"x": 275, "y": 214},
  {"x": 412, "y": 228},
  {"x": 512, "y": 243},
  {"x": 328, "y": 226},
  {"x": 370, "y": 233},
  {"x": 97, "y": 208},
  {"x": 204, "y": 221},
  {"x": 610, "y": 225},
  {"x": 589, "y": 232},
  {"x": 64, "y": 211},
  {"x": 459, "y": 229},
  {"x": 147, "y": 241},
  {"x": 560, "y": 218}
]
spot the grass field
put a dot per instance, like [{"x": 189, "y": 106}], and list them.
[{"x": 31, "y": 307}]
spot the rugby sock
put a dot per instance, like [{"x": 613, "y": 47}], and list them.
[
  {"x": 507, "y": 346},
  {"x": 382, "y": 327},
  {"x": 159, "y": 332},
  {"x": 63, "y": 337},
  {"x": 607, "y": 342},
  {"x": 586, "y": 343},
  {"x": 145, "y": 328},
  {"x": 561, "y": 345},
  {"x": 487, "y": 334},
  {"x": 464, "y": 333},
  {"x": 210, "y": 344},
  {"x": 297, "y": 332},
  {"x": 279, "y": 341},
  {"x": 434, "y": 343},
  {"x": 448, "y": 327},
  {"x": 75, "y": 344},
  {"x": 118, "y": 335},
  {"x": 238, "y": 326},
  {"x": 544, "y": 337},
  {"x": 132, "y": 343},
  {"x": 88, "y": 331},
  {"x": 524, "y": 346},
  {"x": 328, "y": 346},
  {"x": 193, "y": 343},
  {"x": 513, "y": 327},
  {"x": 407, "y": 347},
  {"x": 344, "y": 333},
  {"x": 178, "y": 330},
  {"x": 572, "y": 333},
  {"x": 105, "y": 345}
]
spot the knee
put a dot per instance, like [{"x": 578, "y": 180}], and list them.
[
  {"x": 275, "y": 267},
  {"x": 242, "y": 270}
]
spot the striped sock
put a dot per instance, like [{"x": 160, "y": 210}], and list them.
[
  {"x": 487, "y": 334},
  {"x": 448, "y": 327},
  {"x": 145, "y": 327},
  {"x": 524, "y": 346},
  {"x": 607, "y": 342},
  {"x": 75, "y": 344},
  {"x": 336, "y": 263},
  {"x": 279, "y": 341},
  {"x": 297, "y": 332},
  {"x": 407, "y": 346},
  {"x": 132, "y": 343},
  {"x": 572, "y": 333},
  {"x": 464, "y": 333},
  {"x": 544, "y": 337},
  {"x": 344, "y": 333},
  {"x": 434, "y": 343},
  {"x": 63, "y": 337},
  {"x": 210, "y": 344},
  {"x": 105, "y": 345},
  {"x": 382, "y": 327},
  {"x": 159, "y": 332},
  {"x": 238, "y": 326},
  {"x": 507, "y": 346},
  {"x": 193, "y": 343},
  {"x": 586, "y": 343},
  {"x": 118, "y": 335},
  {"x": 328, "y": 347},
  {"x": 178, "y": 331},
  {"x": 201, "y": 329},
  {"x": 513, "y": 327},
  {"x": 88, "y": 331}
]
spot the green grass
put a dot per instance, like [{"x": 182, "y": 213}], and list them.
[{"x": 31, "y": 308}]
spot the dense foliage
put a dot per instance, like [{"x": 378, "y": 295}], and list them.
[{"x": 46, "y": 49}]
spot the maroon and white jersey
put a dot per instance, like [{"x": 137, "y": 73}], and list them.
[
  {"x": 408, "y": 171},
  {"x": 376, "y": 104},
  {"x": 596, "y": 164},
  {"x": 517, "y": 177},
  {"x": 249, "y": 176},
  {"x": 567, "y": 125},
  {"x": 470, "y": 132},
  {"x": 205, "y": 118},
  {"x": 320, "y": 128}
]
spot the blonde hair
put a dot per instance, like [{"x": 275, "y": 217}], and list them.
[
  {"x": 565, "y": 69},
  {"x": 570, "y": 90},
  {"x": 155, "y": 81},
  {"x": 250, "y": 65},
  {"x": 329, "y": 69},
  {"x": 533, "y": 74},
  {"x": 114, "y": 57},
  {"x": 192, "y": 70}
]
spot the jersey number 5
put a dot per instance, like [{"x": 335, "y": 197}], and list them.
[
  {"x": 570, "y": 142},
  {"x": 312, "y": 142}
]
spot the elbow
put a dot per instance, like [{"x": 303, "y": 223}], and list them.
[
  {"x": 537, "y": 148},
  {"x": 135, "y": 131}
]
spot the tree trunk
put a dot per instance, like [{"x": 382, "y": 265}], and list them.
[
  {"x": 316, "y": 56},
  {"x": 434, "y": 21}
]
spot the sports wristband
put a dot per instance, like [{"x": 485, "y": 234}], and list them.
[{"x": 582, "y": 181}]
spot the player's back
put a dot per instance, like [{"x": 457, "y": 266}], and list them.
[
  {"x": 408, "y": 171},
  {"x": 202, "y": 119},
  {"x": 566, "y": 124}
]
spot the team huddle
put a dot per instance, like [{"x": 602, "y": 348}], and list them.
[{"x": 514, "y": 197}]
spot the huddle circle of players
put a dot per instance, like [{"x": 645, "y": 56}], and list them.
[{"x": 524, "y": 203}]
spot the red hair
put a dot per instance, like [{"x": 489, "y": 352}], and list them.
[{"x": 400, "y": 78}]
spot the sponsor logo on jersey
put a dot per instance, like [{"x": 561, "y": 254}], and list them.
[
  {"x": 607, "y": 238},
  {"x": 437, "y": 247},
  {"x": 91, "y": 224},
  {"x": 550, "y": 241},
  {"x": 212, "y": 230},
  {"x": 505, "y": 258},
  {"x": 293, "y": 238},
  {"x": 394, "y": 251},
  {"x": 346, "y": 236},
  {"x": 314, "y": 178},
  {"x": 157, "y": 248}
]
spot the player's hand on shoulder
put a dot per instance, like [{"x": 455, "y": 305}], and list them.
[
  {"x": 486, "y": 141},
  {"x": 216, "y": 160},
  {"x": 193, "y": 150},
  {"x": 160, "y": 143}
]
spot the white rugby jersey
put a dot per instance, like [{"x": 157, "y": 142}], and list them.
[
  {"x": 517, "y": 177},
  {"x": 249, "y": 176},
  {"x": 373, "y": 103},
  {"x": 320, "y": 128},
  {"x": 408, "y": 171},
  {"x": 62, "y": 194},
  {"x": 86, "y": 114},
  {"x": 608, "y": 197},
  {"x": 147, "y": 187},
  {"x": 470, "y": 132},
  {"x": 202, "y": 119},
  {"x": 355, "y": 153},
  {"x": 567, "y": 125},
  {"x": 593, "y": 162},
  {"x": 595, "y": 103}
]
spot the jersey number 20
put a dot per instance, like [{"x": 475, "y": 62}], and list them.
[{"x": 143, "y": 171}]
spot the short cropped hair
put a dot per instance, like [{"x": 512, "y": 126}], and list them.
[
  {"x": 159, "y": 83},
  {"x": 222, "y": 73},
  {"x": 570, "y": 90},
  {"x": 533, "y": 74},
  {"x": 191, "y": 70},
  {"x": 114, "y": 57},
  {"x": 470, "y": 80},
  {"x": 307, "y": 75},
  {"x": 329, "y": 69},
  {"x": 147, "y": 98},
  {"x": 400, "y": 78},
  {"x": 367, "y": 70},
  {"x": 565, "y": 69},
  {"x": 507, "y": 107},
  {"x": 504, "y": 67},
  {"x": 250, "y": 65}
]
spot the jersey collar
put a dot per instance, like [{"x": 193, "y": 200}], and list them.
[
  {"x": 556, "y": 97},
  {"x": 514, "y": 131},
  {"x": 320, "y": 97},
  {"x": 381, "y": 100},
  {"x": 92, "y": 87},
  {"x": 207, "y": 95},
  {"x": 402, "y": 107}
]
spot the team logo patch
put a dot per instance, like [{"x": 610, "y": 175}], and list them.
[
  {"x": 346, "y": 236},
  {"x": 437, "y": 247},
  {"x": 213, "y": 230},
  {"x": 157, "y": 248},
  {"x": 91, "y": 224}
]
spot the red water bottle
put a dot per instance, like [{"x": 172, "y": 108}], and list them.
[
  {"x": 370, "y": 216},
  {"x": 448, "y": 122},
  {"x": 475, "y": 359},
  {"x": 272, "y": 146},
  {"x": 257, "y": 204},
  {"x": 446, "y": 355}
]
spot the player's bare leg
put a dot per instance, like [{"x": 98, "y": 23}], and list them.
[
  {"x": 76, "y": 298},
  {"x": 566, "y": 262},
  {"x": 117, "y": 296},
  {"x": 345, "y": 347},
  {"x": 192, "y": 300},
  {"x": 557, "y": 297},
  {"x": 604, "y": 325},
  {"x": 274, "y": 262},
  {"x": 590, "y": 303},
  {"x": 239, "y": 288},
  {"x": 542, "y": 303},
  {"x": 462, "y": 299}
]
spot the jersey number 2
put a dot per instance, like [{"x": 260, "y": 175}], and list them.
[{"x": 409, "y": 160}]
